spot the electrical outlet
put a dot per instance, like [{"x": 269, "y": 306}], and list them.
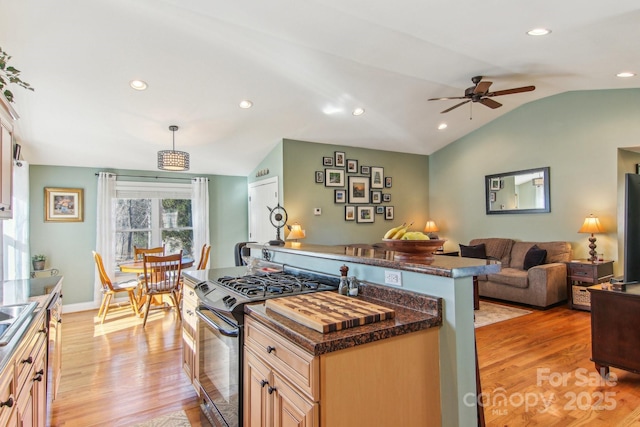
[
  {"x": 317, "y": 211},
  {"x": 393, "y": 278}
]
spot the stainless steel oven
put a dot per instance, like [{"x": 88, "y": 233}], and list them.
[{"x": 221, "y": 332}]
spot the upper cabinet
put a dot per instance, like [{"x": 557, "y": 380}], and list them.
[{"x": 6, "y": 162}]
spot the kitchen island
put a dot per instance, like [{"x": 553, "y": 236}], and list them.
[{"x": 449, "y": 278}]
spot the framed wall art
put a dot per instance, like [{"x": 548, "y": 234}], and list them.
[
  {"x": 333, "y": 177},
  {"x": 327, "y": 161},
  {"x": 358, "y": 189},
  {"x": 387, "y": 182},
  {"x": 340, "y": 196},
  {"x": 365, "y": 214},
  {"x": 380, "y": 210},
  {"x": 388, "y": 213},
  {"x": 377, "y": 177},
  {"x": 349, "y": 213},
  {"x": 386, "y": 197},
  {"x": 376, "y": 196},
  {"x": 63, "y": 204},
  {"x": 364, "y": 170},
  {"x": 339, "y": 158},
  {"x": 352, "y": 166},
  {"x": 494, "y": 184},
  {"x": 319, "y": 177}
]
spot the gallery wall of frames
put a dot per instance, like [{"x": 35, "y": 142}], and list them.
[{"x": 364, "y": 190}]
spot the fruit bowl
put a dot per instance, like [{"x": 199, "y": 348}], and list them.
[{"x": 418, "y": 251}]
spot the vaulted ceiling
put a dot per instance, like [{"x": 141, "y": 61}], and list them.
[{"x": 305, "y": 65}]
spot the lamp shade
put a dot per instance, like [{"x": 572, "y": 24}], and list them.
[
  {"x": 431, "y": 227},
  {"x": 591, "y": 225},
  {"x": 296, "y": 232}
]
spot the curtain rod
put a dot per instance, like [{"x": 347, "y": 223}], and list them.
[{"x": 152, "y": 177}]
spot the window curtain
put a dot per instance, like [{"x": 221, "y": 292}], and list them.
[
  {"x": 15, "y": 232},
  {"x": 106, "y": 224},
  {"x": 200, "y": 213}
]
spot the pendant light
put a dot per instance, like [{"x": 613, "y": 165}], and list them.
[{"x": 172, "y": 160}]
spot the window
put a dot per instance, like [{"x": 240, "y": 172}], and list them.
[{"x": 149, "y": 215}]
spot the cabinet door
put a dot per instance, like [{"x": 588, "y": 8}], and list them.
[
  {"x": 290, "y": 408},
  {"x": 188, "y": 355},
  {"x": 257, "y": 377},
  {"x": 6, "y": 171}
]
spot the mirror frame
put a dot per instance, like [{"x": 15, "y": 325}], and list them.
[{"x": 546, "y": 187}]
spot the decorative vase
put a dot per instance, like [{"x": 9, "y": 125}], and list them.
[{"x": 38, "y": 265}]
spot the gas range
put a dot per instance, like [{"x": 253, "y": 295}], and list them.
[{"x": 228, "y": 294}]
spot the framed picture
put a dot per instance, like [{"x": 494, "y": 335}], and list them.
[
  {"x": 492, "y": 196},
  {"x": 327, "y": 161},
  {"x": 387, "y": 182},
  {"x": 377, "y": 177},
  {"x": 366, "y": 214},
  {"x": 340, "y": 196},
  {"x": 494, "y": 184},
  {"x": 376, "y": 196},
  {"x": 333, "y": 177},
  {"x": 388, "y": 213},
  {"x": 358, "y": 189},
  {"x": 319, "y": 177},
  {"x": 63, "y": 204},
  {"x": 364, "y": 170},
  {"x": 380, "y": 209},
  {"x": 352, "y": 166},
  {"x": 349, "y": 213},
  {"x": 386, "y": 197},
  {"x": 339, "y": 157}
]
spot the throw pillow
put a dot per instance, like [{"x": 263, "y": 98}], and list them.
[
  {"x": 535, "y": 256},
  {"x": 475, "y": 251}
]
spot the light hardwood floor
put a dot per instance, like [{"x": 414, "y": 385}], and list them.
[{"x": 117, "y": 374}]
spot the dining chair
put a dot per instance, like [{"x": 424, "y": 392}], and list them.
[
  {"x": 204, "y": 257},
  {"x": 139, "y": 253},
  {"x": 162, "y": 277},
  {"x": 110, "y": 288}
]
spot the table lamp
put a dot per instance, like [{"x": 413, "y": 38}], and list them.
[
  {"x": 592, "y": 225},
  {"x": 296, "y": 233},
  {"x": 430, "y": 228}
]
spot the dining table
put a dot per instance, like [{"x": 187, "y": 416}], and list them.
[{"x": 137, "y": 267}]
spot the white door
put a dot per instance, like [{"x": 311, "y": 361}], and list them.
[{"x": 262, "y": 194}]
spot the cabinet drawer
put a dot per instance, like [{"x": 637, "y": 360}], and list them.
[
  {"x": 583, "y": 272},
  {"x": 6, "y": 395},
  {"x": 189, "y": 295},
  {"x": 293, "y": 363},
  {"x": 28, "y": 352}
]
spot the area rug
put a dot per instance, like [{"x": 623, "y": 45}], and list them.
[
  {"x": 493, "y": 313},
  {"x": 175, "y": 419}
]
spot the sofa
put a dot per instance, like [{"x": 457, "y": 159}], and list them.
[{"x": 542, "y": 284}]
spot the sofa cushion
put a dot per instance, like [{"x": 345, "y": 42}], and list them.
[
  {"x": 497, "y": 248},
  {"x": 556, "y": 251},
  {"x": 518, "y": 253},
  {"x": 474, "y": 251},
  {"x": 517, "y": 278},
  {"x": 535, "y": 256}
]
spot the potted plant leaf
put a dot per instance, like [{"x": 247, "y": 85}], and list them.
[{"x": 38, "y": 262}]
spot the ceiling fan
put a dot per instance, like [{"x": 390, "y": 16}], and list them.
[{"x": 480, "y": 93}]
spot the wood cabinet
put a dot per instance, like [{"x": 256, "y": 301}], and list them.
[
  {"x": 190, "y": 333},
  {"x": 394, "y": 381},
  {"x": 6, "y": 166},
  {"x": 54, "y": 352}
]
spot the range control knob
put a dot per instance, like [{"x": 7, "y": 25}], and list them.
[{"x": 231, "y": 301}]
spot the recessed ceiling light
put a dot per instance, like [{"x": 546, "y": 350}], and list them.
[
  {"x": 539, "y": 32},
  {"x": 442, "y": 126},
  {"x": 626, "y": 74},
  {"x": 138, "y": 84},
  {"x": 246, "y": 104},
  {"x": 358, "y": 111}
]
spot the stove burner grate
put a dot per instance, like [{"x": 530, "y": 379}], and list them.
[{"x": 269, "y": 284}]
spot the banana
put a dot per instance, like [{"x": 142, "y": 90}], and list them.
[{"x": 389, "y": 234}]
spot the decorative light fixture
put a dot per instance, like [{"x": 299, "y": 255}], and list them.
[
  {"x": 172, "y": 160},
  {"x": 296, "y": 233},
  {"x": 592, "y": 225},
  {"x": 431, "y": 228}
]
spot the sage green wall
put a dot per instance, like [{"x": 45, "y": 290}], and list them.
[
  {"x": 69, "y": 245},
  {"x": 576, "y": 134},
  {"x": 409, "y": 192}
]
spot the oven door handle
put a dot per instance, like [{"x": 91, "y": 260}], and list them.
[{"x": 214, "y": 325}]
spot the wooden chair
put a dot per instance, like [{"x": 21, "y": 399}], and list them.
[
  {"x": 139, "y": 253},
  {"x": 109, "y": 289},
  {"x": 162, "y": 277},
  {"x": 204, "y": 257}
]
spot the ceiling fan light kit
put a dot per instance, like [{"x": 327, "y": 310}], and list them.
[{"x": 480, "y": 93}]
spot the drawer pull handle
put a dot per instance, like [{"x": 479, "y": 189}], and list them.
[
  {"x": 191, "y": 293},
  {"x": 40, "y": 372},
  {"x": 271, "y": 389},
  {"x": 8, "y": 403},
  {"x": 43, "y": 330},
  {"x": 270, "y": 349},
  {"x": 28, "y": 360},
  {"x": 264, "y": 383},
  {"x": 38, "y": 378}
]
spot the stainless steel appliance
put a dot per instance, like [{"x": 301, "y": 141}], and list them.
[{"x": 221, "y": 337}]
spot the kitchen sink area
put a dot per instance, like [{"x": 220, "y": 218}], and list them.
[{"x": 12, "y": 317}]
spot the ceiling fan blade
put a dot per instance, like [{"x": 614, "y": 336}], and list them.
[
  {"x": 510, "y": 91},
  {"x": 490, "y": 103},
  {"x": 455, "y": 106},
  {"x": 482, "y": 87},
  {"x": 449, "y": 97}
]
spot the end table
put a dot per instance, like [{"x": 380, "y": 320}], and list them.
[{"x": 582, "y": 273}]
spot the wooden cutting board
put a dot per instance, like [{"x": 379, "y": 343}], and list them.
[{"x": 329, "y": 311}]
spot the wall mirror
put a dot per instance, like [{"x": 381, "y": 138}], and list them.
[{"x": 525, "y": 191}]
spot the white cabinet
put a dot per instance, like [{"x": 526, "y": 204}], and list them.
[{"x": 6, "y": 167}]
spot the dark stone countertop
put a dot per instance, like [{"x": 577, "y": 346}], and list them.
[
  {"x": 413, "y": 312},
  {"x": 380, "y": 256}
]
